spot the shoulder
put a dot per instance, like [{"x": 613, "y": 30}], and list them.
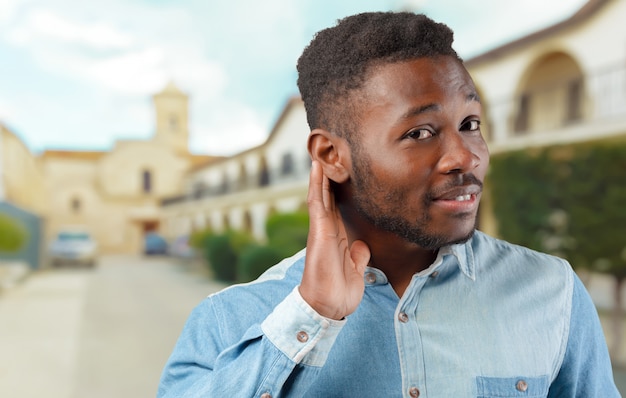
[
  {"x": 488, "y": 247},
  {"x": 522, "y": 268},
  {"x": 256, "y": 299}
]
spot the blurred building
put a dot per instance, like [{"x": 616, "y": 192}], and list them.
[
  {"x": 240, "y": 191},
  {"x": 116, "y": 194},
  {"x": 563, "y": 84}
]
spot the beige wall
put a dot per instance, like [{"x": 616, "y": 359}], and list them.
[{"x": 120, "y": 172}]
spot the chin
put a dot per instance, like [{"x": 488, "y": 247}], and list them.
[
  {"x": 463, "y": 238},
  {"x": 435, "y": 241}
]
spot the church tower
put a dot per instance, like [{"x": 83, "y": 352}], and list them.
[{"x": 171, "y": 107}]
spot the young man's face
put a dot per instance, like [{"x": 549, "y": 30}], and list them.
[{"x": 420, "y": 158}]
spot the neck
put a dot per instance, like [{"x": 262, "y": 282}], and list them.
[
  {"x": 396, "y": 257},
  {"x": 399, "y": 262}
]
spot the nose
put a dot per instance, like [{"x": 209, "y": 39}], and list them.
[{"x": 459, "y": 154}]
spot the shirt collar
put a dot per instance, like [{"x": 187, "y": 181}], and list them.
[{"x": 464, "y": 255}]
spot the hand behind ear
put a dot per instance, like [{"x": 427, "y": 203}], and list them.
[
  {"x": 332, "y": 283},
  {"x": 332, "y": 152}
]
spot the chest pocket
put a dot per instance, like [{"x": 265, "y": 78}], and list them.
[{"x": 509, "y": 387}]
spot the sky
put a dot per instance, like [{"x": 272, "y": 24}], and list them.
[{"x": 80, "y": 74}]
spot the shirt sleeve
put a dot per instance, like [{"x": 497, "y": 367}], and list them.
[
  {"x": 586, "y": 370},
  {"x": 281, "y": 355}
]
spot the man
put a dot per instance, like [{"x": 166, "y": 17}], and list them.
[{"x": 396, "y": 294}]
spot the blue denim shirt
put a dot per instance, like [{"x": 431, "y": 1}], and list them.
[{"x": 486, "y": 319}]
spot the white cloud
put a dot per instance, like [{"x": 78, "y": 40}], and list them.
[
  {"x": 237, "y": 129},
  {"x": 118, "y": 61},
  {"x": 8, "y": 8},
  {"x": 7, "y": 112},
  {"x": 46, "y": 26}
]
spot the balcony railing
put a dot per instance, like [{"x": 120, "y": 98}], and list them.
[
  {"x": 581, "y": 100},
  {"x": 272, "y": 178}
]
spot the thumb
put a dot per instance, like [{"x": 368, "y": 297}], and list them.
[{"x": 360, "y": 255}]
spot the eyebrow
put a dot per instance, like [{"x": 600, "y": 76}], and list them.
[{"x": 473, "y": 96}]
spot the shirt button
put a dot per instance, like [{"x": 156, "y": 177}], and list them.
[
  {"x": 414, "y": 392},
  {"x": 434, "y": 274},
  {"x": 403, "y": 317},
  {"x": 302, "y": 336},
  {"x": 370, "y": 277},
  {"x": 522, "y": 386},
  {"x": 266, "y": 395}
]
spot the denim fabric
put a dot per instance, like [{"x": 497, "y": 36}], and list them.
[{"x": 486, "y": 319}]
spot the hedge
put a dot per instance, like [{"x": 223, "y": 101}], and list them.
[{"x": 567, "y": 200}]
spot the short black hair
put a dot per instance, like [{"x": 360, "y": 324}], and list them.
[{"x": 339, "y": 58}]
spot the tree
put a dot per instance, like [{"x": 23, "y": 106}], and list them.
[{"x": 13, "y": 235}]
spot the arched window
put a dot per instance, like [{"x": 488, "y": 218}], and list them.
[
  {"x": 286, "y": 167},
  {"x": 146, "y": 178},
  {"x": 75, "y": 205},
  {"x": 551, "y": 95},
  {"x": 264, "y": 175}
]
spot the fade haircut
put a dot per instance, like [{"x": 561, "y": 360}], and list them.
[{"x": 337, "y": 61}]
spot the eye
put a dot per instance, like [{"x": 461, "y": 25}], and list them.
[
  {"x": 471, "y": 125},
  {"x": 419, "y": 134}
]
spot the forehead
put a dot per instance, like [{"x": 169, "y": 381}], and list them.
[{"x": 431, "y": 78}]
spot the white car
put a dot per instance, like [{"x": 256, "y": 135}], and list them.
[{"x": 73, "y": 247}]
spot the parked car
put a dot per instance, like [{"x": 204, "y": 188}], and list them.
[
  {"x": 73, "y": 247},
  {"x": 180, "y": 248},
  {"x": 154, "y": 244}
]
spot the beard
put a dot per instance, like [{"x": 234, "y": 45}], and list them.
[{"x": 384, "y": 207}]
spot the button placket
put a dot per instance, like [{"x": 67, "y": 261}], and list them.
[{"x": 409, "y": 337}]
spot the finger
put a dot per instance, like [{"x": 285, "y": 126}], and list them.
[
  {"x": 360, "y": 255},
  {"x": 315, "y": 201},
  {"x": 327, "y": 194}
]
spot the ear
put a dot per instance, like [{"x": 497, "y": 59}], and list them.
[{"x": 332, "y": 152}]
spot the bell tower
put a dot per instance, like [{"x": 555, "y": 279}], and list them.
[{"x": 171, "y": 107}]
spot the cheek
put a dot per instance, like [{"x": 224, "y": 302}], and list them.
[{"x": 483, "y": 155}]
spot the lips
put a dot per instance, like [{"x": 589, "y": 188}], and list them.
[{"x": 460, "y": 194}]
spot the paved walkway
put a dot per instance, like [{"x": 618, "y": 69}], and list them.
[{"x": 101, "y": 333}]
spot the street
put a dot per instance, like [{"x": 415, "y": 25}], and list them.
[{"x": 103, "y": 332}]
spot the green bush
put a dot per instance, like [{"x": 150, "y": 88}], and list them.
[
  {"x": 235, "y": 256},
  {"x": 222, "y": 253},
  {"x": 13, "y": 235},
  {"x": 221, "y": 257},
  {"x": 568, "y": 200},
  {"x": 287, "y": 232},
  {"x": 198, "y": 239},
  {"x": 255, "y": 260}
]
